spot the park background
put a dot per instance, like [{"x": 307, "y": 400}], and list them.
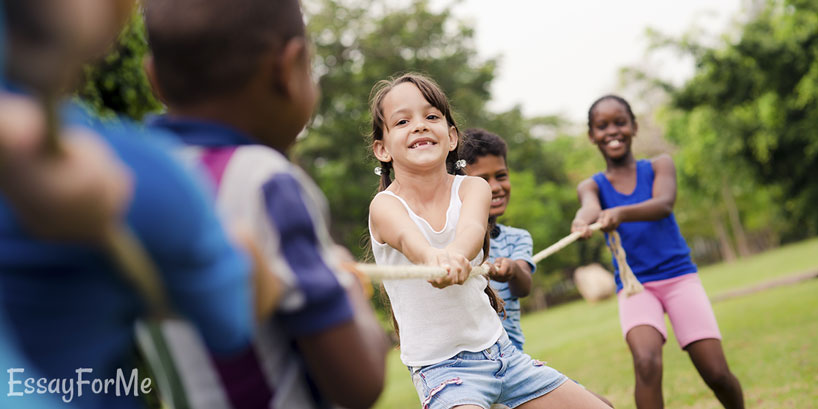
[{"x": 741, "y": 128}]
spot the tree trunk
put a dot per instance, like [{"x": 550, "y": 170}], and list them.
[
  {"x": 735, "y": 219},
  {"x": 727, "y": 253}
]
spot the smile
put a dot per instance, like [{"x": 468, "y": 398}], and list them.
[
  {"x": 614, "y": 143},
  {"x": 422, "y": 142}
]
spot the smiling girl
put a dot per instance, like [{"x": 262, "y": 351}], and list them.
[
  {"x": 451, "y": 338},
  {"x": 635, "y": 198}
]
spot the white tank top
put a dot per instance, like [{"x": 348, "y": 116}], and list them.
[{"x": 437, "y": 324}]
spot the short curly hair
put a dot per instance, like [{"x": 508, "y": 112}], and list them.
[{"x": 480, "y": 142}]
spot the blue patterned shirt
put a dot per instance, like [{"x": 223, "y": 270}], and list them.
[{"x": 515, "y": 244}]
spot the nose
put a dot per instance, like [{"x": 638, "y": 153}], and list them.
[
  {"x": 420, "y": 126},
  {"x": 495, "y": 186}
]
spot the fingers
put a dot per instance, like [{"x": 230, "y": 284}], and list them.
[
  {"x": 457, "y": 267},
  {"x": 582, "y": 227}
]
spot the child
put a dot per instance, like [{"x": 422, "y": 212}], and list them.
[
  {"x": 236, "y": 78},
  {"x": 66, "y": 304},
  {"x": 636, "y": 199},
  {"x": 451, "y": 337},
  {"x": 511, "y": 248}
]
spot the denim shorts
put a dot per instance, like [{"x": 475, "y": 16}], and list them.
[{"x": 500, "y": 374}]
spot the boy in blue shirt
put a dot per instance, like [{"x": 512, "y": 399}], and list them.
[
  {"x": 66, "y": 304},
  {"x": 511, "y": 248},
  {"x": 236, "y": 78}
]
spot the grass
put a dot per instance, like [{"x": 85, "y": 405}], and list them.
[{"x": 770, "y": 339}]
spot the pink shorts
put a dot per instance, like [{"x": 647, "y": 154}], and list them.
[{"x": 684, "y": 300}]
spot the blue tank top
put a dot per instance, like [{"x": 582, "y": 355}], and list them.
[{"x": 655, "y": 249}]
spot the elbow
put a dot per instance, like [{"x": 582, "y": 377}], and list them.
[{"x": 666, "y": 210}]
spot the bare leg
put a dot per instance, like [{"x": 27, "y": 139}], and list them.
[
  {"x": 567, "y": 395},
  {"x": 646, "y": 343},
  {"x": 708, "y": 357},
  {"x": 602, "y": 398}
]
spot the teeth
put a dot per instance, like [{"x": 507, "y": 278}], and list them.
[
  {"x": 421, "y": 143},
  {"x": 614, "y": 143}
]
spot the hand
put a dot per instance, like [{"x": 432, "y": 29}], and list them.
[
  {"x": 81, "y": 194},
  {"x": 457, "y": 266},
  {"x": 502, "y": 270},
  {"x": 583, "y": 227},
  {"x": 609, "y": 219},
  {"x": 266, "y": 286}
]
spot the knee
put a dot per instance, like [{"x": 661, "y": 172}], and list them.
[
  {"x": 718, "y": 377},
  {"x": 648, "y": 365}
]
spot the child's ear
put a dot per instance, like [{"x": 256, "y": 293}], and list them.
[
  {"x": 292, "y": 61},
  {"x": 150, "y": 72},
  {"x": 452, "y": 138},
  {"x": 379, "y": 149}
]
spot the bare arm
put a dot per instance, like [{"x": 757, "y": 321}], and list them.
[
  {"x": 391, "y": 225},
  {"x": 588, "y": 194},
  {"x": 517, "y": 273},
  {"x": 475, "y": 194},
  {"x": 348, "y": 361}
]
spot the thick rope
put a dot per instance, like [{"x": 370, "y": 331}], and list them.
[
  {"x": 375, "y": 272},
  {"x": 563, "y": 243},
  {"x": 630, "y": 284}
]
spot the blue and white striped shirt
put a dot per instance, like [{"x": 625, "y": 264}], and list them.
[{"x": 515, "y": 244}]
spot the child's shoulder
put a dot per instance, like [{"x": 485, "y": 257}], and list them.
[
  {"x": 588, "y": 184},
  {"x": 663, "y": 159},
  {"x": 662, "y": 165},
  {"x": 473, "y": 185},
  {"x": 510, "y": 231}
]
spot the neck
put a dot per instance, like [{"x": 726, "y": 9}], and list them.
[
  {"x": 625, "y": 162},
  {"x": 422, "y": 186},
  {"x": 234, "y": 115}
]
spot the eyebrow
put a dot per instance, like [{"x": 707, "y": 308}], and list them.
[{"x": 402, "y": 110}]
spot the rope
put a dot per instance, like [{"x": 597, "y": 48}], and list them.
[
  {"x": 630, "y": 284},
  {"x": 563, "y": 243},
  {"x": 377, "y": 272}
]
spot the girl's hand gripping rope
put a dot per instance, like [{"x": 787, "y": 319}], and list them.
[{"x": 456, "y": 265}]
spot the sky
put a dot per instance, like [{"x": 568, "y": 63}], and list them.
[{"x": 558, "y": 56}]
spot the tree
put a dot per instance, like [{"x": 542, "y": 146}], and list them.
[{"x": 761, "y": 92}]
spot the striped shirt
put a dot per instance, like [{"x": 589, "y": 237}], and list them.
[
  {"x": 515, "y": 244},
  {"x": 257, "y": 187}
]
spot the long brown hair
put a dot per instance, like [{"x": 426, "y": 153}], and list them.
[{"x": 437, "y": 98}]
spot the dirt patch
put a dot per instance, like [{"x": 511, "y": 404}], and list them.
[{"x": 778, "y": 282}]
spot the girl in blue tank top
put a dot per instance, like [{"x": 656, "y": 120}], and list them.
[{"x": 636, "y": 198}]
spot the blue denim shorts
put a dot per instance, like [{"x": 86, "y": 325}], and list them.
[{"x": 500, "y": 374}]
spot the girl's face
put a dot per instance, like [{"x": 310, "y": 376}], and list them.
[
  {"x": 415, "y": 133},
  {"x": 612, "y": 129}
]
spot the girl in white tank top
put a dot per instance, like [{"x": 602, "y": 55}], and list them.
[{"x": 450, "y": 335}]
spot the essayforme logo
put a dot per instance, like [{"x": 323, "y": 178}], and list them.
[{"x": 120, "y": 385}]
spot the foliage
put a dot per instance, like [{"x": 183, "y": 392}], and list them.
[
  {"x": 751, "y": 109},
  {"x": 117, "y": 85},
  {"x": 358, "y": 44}
]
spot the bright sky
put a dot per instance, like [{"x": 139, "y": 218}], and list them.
[{"x": 558, "y": 56}]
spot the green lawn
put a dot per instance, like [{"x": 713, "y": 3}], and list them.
[{"x": 770, "y": 338}]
